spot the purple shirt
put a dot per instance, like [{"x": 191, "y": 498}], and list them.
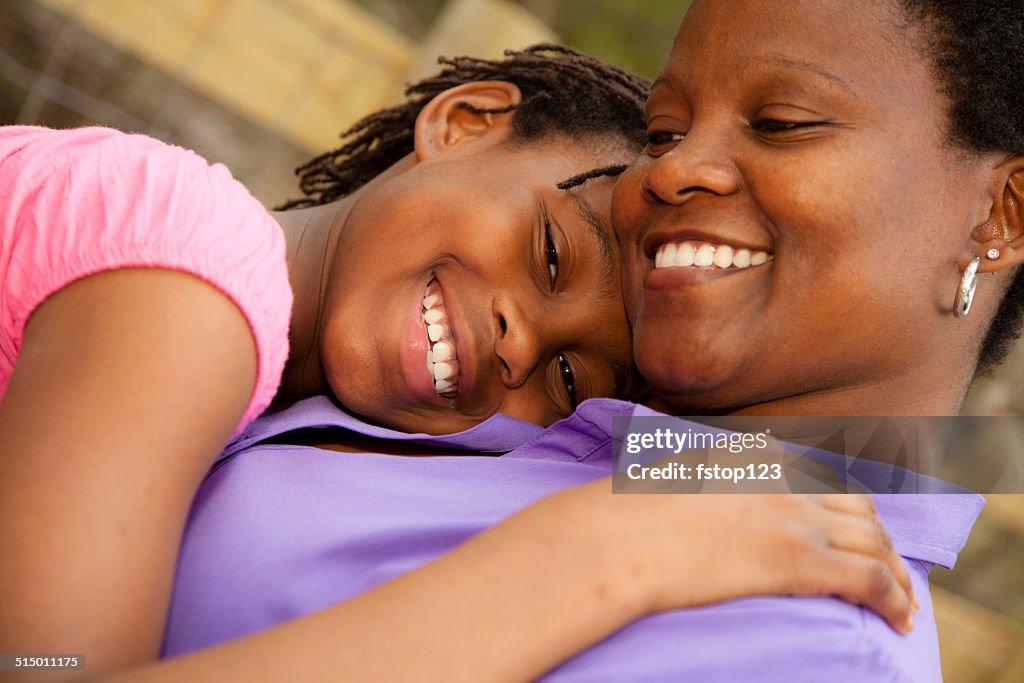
[{"x": 278, "y": 531}]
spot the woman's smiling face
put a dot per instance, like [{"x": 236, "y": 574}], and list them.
[
  {"x": 803, "y": 145},
  {"x": 471, "y": 285}
]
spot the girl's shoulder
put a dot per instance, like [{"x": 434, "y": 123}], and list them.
[{"x": 81, "y": 201}]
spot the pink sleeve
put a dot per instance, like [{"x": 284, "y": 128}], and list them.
[{"x": 78, "y": 202}]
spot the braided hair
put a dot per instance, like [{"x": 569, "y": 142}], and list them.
[
  {"x": 564, "y": 91},
  {"x": 976, "y": 48}
]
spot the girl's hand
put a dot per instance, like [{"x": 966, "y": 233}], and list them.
[{"x": 685, "y": 550}]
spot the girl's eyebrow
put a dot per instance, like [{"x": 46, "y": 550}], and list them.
[
  {"x": 597, "y": 228},
  {"x": 602, "y": 172},
  {"x": 599, "y": 231}
]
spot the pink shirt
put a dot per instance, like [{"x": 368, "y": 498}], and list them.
[{"x": 78, "y": 202}]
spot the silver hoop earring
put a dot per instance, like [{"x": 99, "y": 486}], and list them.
[{"x": 965, "y": 292}]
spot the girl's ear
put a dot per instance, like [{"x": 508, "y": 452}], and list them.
[
  {"x": 466, "y": 117},
  {"x": 1000, "y": 241}
]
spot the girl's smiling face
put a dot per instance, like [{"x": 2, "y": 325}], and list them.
[
  {"x": 803, "y": 144},
  {"x": 470, "y": 284}
]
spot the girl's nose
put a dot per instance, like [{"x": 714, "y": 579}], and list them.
[{"x": 518, "y": 345}]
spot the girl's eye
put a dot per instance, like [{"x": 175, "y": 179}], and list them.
[
  {"x": 659, "y": 138},
  {"x": 551, "y": 252},
  {"x": 568, "y": 379}
]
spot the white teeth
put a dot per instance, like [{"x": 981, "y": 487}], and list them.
[
  {"x": 723, "y": 256},
  {"x": 445, "y": 370},
  {"x": 442, "y": 362},
  {"x": 667, "y": 255},
  {"x": 443, "y": 351},
  {"x": 707, "y": 255},
  {"x": 684, "y": 255}
]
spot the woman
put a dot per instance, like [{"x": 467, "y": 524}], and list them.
[
  {"x": 408, "y": 311},
  {"x": 875, "y": 154},
  {"x": 879, "y": 193}
]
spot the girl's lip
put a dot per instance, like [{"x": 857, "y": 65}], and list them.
[{"x": 413, "y": 348}]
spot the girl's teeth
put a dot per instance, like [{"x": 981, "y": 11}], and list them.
[
  {"x": 445, "y": 370},
  {"x": 707, "y": 255},
  {"x": 442, "y": 362},
  {"x": 443, "y": 351}
]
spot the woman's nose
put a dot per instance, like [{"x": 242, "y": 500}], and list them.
[
  {"x": 697, "y": 164},
  {"x": 518, "y": 343}
]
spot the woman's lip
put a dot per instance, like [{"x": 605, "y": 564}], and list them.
[
  {"x": 413, "y": 348},
  {"x": 655, "y": 239},
  {"x": 673, "y": 278}
]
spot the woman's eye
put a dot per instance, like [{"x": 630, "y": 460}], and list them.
[
  {"x": 552, "y": 253},
  {"x": 568, "y": 379},
  {"x": 777, "y": 126}
]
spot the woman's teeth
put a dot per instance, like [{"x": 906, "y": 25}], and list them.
[
  {"x": 442, "y": 361},
  {"x": 706, "y": 255}
]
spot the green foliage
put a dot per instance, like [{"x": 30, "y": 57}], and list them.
[{"x": 634, "y": 35}]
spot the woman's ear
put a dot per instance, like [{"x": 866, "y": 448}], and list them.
[
  {"x": 1000, "y": 241},
  {"x": 471, "y": 114}
]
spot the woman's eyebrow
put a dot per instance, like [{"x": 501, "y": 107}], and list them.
[{"x": 807, "y": 66}]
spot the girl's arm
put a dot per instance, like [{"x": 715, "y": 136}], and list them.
[
  {"x": 127, "y": 386},
  {"x": 556, "y": 578},
  {"x": 97, "y": 473}
]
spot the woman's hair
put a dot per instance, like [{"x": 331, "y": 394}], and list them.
[
  {"x": 564, "y": 91},
  {"x": 977, "y": 51}
]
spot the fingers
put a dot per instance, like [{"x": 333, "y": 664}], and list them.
[
  {"x": 868, "y": 581},
  {"x": 866, "y": 535},
  {"x": 862, "y": 548},
  {"x": 854, "y": 504}
]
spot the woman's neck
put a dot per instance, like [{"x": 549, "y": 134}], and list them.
[{"x": 925, "y": 393}]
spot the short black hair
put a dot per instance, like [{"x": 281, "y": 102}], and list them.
[
  {"x": 977, "y": 53},
  {"x": 564, "y": 91}
]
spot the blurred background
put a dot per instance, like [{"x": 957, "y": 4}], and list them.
[{"x": 263, "y": 85}]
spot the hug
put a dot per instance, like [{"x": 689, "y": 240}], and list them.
[{"x": 368, "y": 436}]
